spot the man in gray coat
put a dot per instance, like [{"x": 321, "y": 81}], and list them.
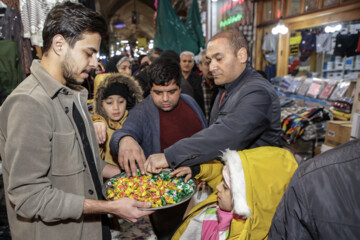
[
  {"x": 246, "y": 112},
  {"x": 51, "y": 165}
]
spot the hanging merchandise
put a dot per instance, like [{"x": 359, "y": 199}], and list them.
[
  {"x": 270, "y": 71},
  {"x": 294, "y": 45},
  {"x": 270, "y": 46},
  {"x": 171, "y": 33},
  {"x": 346, "y": 45},
  {"x": 323, "y": 43},
  {"x": 307, "y": 46},
  {"x": 33, "y": 14},
  {"x": 10, "y": 66},
  {"x": 11, "y": 29}
]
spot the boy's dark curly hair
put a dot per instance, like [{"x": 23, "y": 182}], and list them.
[{"x": 162, "y": 71}]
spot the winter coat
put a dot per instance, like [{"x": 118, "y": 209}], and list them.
[
  {"x": 267, "y": 172},
  {"x": 45, "y": 171},
  {"x": 249, "y": 117},
  {"x": 323, "y": 198},
  {"x": 143, "y": 124},
  {"x": 135, "y": 96}
]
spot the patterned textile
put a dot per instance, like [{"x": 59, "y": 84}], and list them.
[
  {"x": 293, "y": 126},
  {"x": 248, "y": 32},
  {"x": 208, "y": 97},
  {"x": 33, "y": 14}
]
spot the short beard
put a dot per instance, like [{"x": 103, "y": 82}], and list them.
[{"x": 70, "y": 81}]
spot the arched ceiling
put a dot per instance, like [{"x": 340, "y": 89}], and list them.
[{"x": 122, "y": 9}]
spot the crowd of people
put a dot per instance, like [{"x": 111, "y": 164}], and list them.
[{"x": 216, "y": 120}]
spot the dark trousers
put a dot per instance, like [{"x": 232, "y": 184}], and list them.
[{"x": 166, "y": 221}]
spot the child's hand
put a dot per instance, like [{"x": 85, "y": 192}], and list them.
[
  {"x": 100, "y": 130},
  {"x": 182, "y": 171}
]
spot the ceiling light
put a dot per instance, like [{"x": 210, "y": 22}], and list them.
[
  {"x": 331, "y": 29},
  {"x": 118, "y": 24},
  {"x": 280, "y": 28}
]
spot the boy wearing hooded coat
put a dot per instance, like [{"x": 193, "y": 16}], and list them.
[
  {"x": 258, "y": 179},
  {"x": 114, "y": 84}
]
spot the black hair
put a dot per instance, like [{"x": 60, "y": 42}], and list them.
[
  {"x": 71, "y": 20},
  {"x": 170, "y": 54},
  {"x": 111, "y": 65},
  {"x": 153, "y": 51},
  {"x": 162, "y": 71},
  {"x": 236, "y": 39}
]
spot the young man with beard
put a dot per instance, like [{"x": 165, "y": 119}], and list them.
[
  {"x": 160, "y": 120},
  {"x": 51, "y": 164},
  {"x": 246, "y": 112}
]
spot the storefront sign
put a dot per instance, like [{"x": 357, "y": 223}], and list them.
[
  {"x": 231, "y": 20},
  {"x": 230, "y": 4}
]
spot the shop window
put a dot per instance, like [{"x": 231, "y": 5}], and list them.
[
  {"x": 329, "y": 3},
  {"x": 328, "y": 52},
  {"x": 267, "y": 11},
  {"x": 311, "y": 5},
  {"x": 294, "y": 7}
]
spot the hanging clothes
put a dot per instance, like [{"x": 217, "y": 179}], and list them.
[
  {"x": 346, "y": 45},
  {"x": 33, "y": 14},
  {"x": 323, "y": 43},
  {"x": 11, "y": 29},
  {"x": 270, "y": 46},
  {"x": 10, "y": 66}
]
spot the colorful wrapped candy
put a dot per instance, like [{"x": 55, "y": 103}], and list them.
[{"x": 159, "y": 189}]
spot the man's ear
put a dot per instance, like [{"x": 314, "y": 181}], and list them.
[
  {"x": 242, "y": 55},
  {"x": 58, "y": 44}
]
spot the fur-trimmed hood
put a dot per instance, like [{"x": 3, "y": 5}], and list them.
[
  {"x": 135, "y": 91},
  {"x": 238, "y": 184}
]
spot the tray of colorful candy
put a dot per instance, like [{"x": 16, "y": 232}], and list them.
[{"x": 162, "y": 190}]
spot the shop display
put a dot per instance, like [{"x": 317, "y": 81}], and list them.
[
  {"x": 315, "y": 88},
  {"x": 328, "y": 89},
  {"x": 340, "y": 91},
  {"x": 295, "y": 84},
  {"x": 161, "y": 189},
  {"x": 304, "y": 87}
]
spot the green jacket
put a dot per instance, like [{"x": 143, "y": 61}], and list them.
[{"x": 10, "y": 65}]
